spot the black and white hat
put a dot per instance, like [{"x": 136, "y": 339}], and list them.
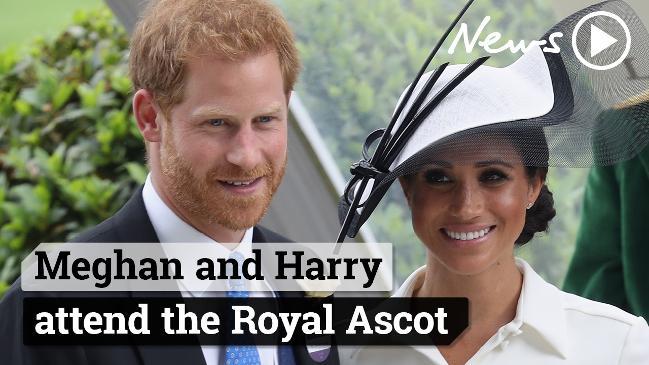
[{"x": 556, "y": 109}]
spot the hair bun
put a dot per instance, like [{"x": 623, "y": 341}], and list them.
[{"x": 538, "y": 216}]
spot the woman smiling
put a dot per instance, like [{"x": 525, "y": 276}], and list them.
[
  {"x": 473, "y": 174},
  {"x": 470, "y": 208}
]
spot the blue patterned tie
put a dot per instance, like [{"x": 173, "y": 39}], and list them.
[{"x": 237, "y": 354}]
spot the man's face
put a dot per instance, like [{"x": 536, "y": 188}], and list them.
[{"x": 223, "y": 151}]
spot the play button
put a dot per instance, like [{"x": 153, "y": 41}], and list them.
[
  {"x": 607, "y": 32},
  {"x": 599, "y": 40}
]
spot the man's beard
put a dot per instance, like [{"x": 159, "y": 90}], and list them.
[{"x": 204, "y": 197}]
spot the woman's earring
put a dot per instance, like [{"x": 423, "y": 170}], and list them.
[{"x": 529, "y": 205}]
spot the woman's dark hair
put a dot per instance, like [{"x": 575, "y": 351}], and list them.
[
  {"x": 533, "y": 149},
  {"x": 538, "y": 217}
]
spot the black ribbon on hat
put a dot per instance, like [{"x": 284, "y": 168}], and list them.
[{"x": 351, "y": 210}]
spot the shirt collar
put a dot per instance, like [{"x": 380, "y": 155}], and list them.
[
  {"x": 413, "y": 282},
  {"x": 540, "y": 307},
  {"x": 170, "y": 228}
]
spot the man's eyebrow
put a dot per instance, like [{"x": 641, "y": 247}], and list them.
[
  {"x": 493, "y": 162},
  {"x": 211, "y": 111},
  {"x": 216, "y": 110},
  {"x": 271, "y": 109}
]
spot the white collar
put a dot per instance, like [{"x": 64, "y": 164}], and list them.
[
  {"x": 171, "y": 228},
  {"x": 540, "y": 307}
]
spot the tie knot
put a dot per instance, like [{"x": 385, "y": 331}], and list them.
[
  {"x": 236, "y": 285},
  {"x": 238, "y": 257}
]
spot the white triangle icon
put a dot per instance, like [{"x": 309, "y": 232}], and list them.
[{"x": 599, "y": 40}]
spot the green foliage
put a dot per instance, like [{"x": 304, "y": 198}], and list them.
[
  {"x": 359, "y": 55},
  {"x": 68, "y": 144},
  {"x": 21, "y": 21}
]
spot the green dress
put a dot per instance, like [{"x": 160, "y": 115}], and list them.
[{"x": 611, "y": 260}]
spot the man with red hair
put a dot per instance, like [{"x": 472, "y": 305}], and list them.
[{"x": 212, "y": 81}]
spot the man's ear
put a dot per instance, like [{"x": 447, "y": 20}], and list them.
[
  {"x": 405, "y": 186},
  {"x": 146, "y": 115}
]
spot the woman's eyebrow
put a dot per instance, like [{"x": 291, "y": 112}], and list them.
[
  {"x": 493, "y": 162},
  {"x": 441, "y": 163}
]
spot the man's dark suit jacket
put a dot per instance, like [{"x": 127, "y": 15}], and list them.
[{"x": 129, "y": 224}]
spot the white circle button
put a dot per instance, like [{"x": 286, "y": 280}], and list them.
[{"x": 601, "y": 40}]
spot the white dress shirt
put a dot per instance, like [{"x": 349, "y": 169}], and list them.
[
  {"x": 171, "y": 229},
  {"x": 550, "y": 327}
]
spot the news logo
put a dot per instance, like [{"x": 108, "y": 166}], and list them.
[
  {"x": 601, "y": 40},
  {"x": 489, "y": 42}
]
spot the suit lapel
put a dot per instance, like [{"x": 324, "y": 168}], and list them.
[
  {"x": 132, "y": 222},
  {"x": 292, "y": 355},
  {"x": 172, "y": 355}
]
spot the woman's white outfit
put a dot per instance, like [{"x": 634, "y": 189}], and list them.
[{"x": 550, "y": 327}]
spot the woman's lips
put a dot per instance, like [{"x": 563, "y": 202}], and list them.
[{"x": 467, "y": 234}]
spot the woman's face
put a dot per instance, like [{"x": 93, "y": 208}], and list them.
[{"x": 469, "y": 213}]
